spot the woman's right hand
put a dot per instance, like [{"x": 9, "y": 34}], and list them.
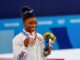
[{"x": 29, "y": 41}]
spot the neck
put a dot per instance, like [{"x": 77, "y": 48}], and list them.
[{"x": 28, "y": 31}]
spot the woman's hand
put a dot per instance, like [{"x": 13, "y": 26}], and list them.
[
  {"x": 46, "y": 53},
  {"x": 29, "y": 41}
]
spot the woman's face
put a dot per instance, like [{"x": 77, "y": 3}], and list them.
[{"x": 30, "y": 24}]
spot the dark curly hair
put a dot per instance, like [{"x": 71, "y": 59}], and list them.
[{"x": 27, "y": 13}]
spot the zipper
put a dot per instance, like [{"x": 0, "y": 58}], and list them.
[{"x": 36, "y": 51}]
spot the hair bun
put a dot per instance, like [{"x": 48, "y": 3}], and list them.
[{"x": 26, "y": 10}]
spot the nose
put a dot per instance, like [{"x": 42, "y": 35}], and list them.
[{"x": 34, "y": 25}]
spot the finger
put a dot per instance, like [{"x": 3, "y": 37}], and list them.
[{"x": 31, "y": 42}]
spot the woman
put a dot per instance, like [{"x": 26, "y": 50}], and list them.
[{"x": 28, "y": 44}]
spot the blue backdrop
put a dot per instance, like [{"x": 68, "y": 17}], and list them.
[{"x": 65, "y": 28}]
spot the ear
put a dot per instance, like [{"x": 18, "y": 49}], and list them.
[{"x": 24, "y": 23}]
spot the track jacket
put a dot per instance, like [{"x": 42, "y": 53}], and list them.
[{"x": 35, "y": 52}]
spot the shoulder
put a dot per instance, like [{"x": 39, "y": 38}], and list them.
[
  {"x": 19, "y": 37},
  {"x": 40, "y": 36}
]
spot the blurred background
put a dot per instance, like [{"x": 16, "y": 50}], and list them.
[{"x": 61, "y": 17}]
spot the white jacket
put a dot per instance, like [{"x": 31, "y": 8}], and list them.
[{"x": 20, "y": 52}]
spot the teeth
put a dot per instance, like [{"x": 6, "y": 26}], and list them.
[{"x": 33, "y": 28}]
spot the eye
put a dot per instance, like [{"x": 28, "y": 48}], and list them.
[
  {"x": 33, "y": 22},
  {"x": 30, "y": 22}
]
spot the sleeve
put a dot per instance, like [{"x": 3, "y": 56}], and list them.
[
  {"x": 19, "y": 50},
  {"x": 43, "y": 47},
  {"x": 41, "y": 42}
]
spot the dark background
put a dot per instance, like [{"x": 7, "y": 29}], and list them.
[{"x": 11, "y": 8}]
